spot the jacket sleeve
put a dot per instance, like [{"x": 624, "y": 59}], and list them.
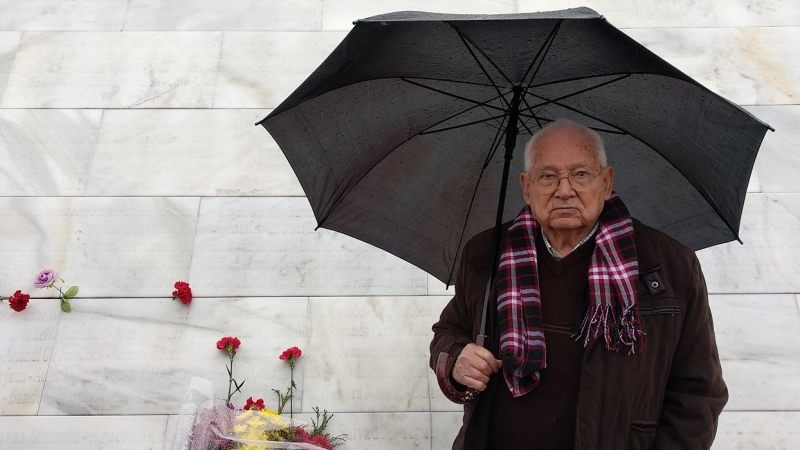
[
  {"x": 695, "y": 392},
  {"x": 453, "y": 331}
]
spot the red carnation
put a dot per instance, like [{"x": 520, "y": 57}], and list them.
[
  {"x": 182, "y": 292},
  {"x": 229, "y": 344},
  {"x": 320, "y": 440},
  {"x": 258, "y": 405},
  {"x": 290, "y": 355},
  {"x": 18, "y": 301},
  {"x": 300, "y": 434}
]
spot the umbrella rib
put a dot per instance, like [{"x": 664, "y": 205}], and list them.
[
  {"x": 567, "y": 80},
  {"x": 424, "y": 131},
  {"x": 546, "y": 48},
  {"x": 605, "y": 83},
  {"x": 548, "y": 43},
  {"x": 532, "y": 114},
  {"x": 461, "y": 125},
  {"x": 439, "y": 91},
  {"x": 493, "y": 149},
  {"x": 556, "y": 102},
  {"x": 621, "y": 133},
  {"x": 464, "y": 39},
  {"x": 473, "y": 83}
]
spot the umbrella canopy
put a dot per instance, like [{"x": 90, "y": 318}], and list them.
[{"x": 395, "y": 137}]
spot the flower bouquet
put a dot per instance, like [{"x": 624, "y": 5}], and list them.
[
  {"x": 217, "y": 427},
  {"x": 207, "y": 422}
]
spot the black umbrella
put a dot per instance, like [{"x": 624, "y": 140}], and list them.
[{"x": 394, "y": 137}]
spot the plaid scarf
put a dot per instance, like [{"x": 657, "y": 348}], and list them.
[{"x": 612, "y": 311}]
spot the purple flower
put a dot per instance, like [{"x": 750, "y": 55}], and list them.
[{"x": 45, "y": 278}]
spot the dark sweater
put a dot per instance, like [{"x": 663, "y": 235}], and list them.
[{"x": 545, "y": 417}]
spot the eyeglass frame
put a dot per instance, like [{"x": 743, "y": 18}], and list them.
[{"x": 535, "y": 179}]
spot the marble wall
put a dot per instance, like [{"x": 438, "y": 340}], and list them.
[{"x": 129, "y": 160}]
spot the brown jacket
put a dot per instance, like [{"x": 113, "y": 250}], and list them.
[{"x": 667, "y": 397}]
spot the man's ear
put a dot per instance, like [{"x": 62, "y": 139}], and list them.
[
  {"x": 608, "y": 179},
  {"x": 523, "y": 181}
]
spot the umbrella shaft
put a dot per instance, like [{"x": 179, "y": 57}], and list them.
[{"x": 511, "y": 143}]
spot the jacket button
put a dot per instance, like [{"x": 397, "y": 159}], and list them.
[{"x": 654, "y": 284}]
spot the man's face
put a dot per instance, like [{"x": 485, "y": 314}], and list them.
[{"x": 568, "y": 208}]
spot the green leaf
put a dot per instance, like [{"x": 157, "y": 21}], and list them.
[
  {"x": 71, "y": 292},
  {"x": 65, "y": 306}
]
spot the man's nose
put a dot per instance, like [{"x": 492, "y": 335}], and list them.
[{"x": 564, "y": 187}]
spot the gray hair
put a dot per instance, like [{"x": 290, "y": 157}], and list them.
[{"x": 565, "y": 124}]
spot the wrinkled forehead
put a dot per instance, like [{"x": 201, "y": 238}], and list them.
[{"x": 565, "y": 148}]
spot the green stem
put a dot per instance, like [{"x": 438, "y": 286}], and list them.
[
  {"x": 61, "y": 295},
  {"x": 230, "y": 383},
  {"x": 291, "y": 392}
]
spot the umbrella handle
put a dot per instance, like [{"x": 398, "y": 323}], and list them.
[{"x": 446, "y": 385}]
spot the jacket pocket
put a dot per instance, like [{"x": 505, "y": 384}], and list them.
[
  {"x": 641, "y": 435},
  {"x": 659, "y": 310}
]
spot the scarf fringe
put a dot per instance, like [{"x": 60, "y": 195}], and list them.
[{"x": 620, "y": 329}]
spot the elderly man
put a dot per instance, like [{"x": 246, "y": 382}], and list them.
[{"x": 599, "y": 331}]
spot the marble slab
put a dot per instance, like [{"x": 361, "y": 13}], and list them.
[
  {"x": 767, "y": 262},
  {"x": 778, "y": 160},
  {"x": 115, "y": 247},
  {"x": 26, "y": 346},
  {"x": 138, "y": 356},
  {"x": 761, "y": 13},
  {"x": 189, "y": 152},
  {"x": 73, "y": 15},
  {"x": 79, "y": 433},
  {"x": 757, "y": 327},
  {"x": 369, "y": 354},
  {"x": 637, "y": 13},
  {"x": 389, "y": 431},
  {"x": 114, "y": 70},
  {"x": 755, "y": 335},
  {"x": 47, "y": 152},
  {"x": 444, "y": 427},
  {"x": 8, "y": 50},
  {"x": 224, "y": 15},
  {"x": 749, "y": 66},
  {"x": 762, "y": 385},
  {"x": 755, "y": 184},
  {"x": 268, "y": 246},
  {"x": 436, "y": 287},
  {"x": 761, "y": 430},
  {"x": 340, "y": 14},
  {"x": 261, "y": 69}
]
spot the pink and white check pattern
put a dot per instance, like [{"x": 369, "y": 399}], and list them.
[{"x": 612, "y": 310}]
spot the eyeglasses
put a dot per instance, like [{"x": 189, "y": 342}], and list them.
[{"x": 579, "y": 179}]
